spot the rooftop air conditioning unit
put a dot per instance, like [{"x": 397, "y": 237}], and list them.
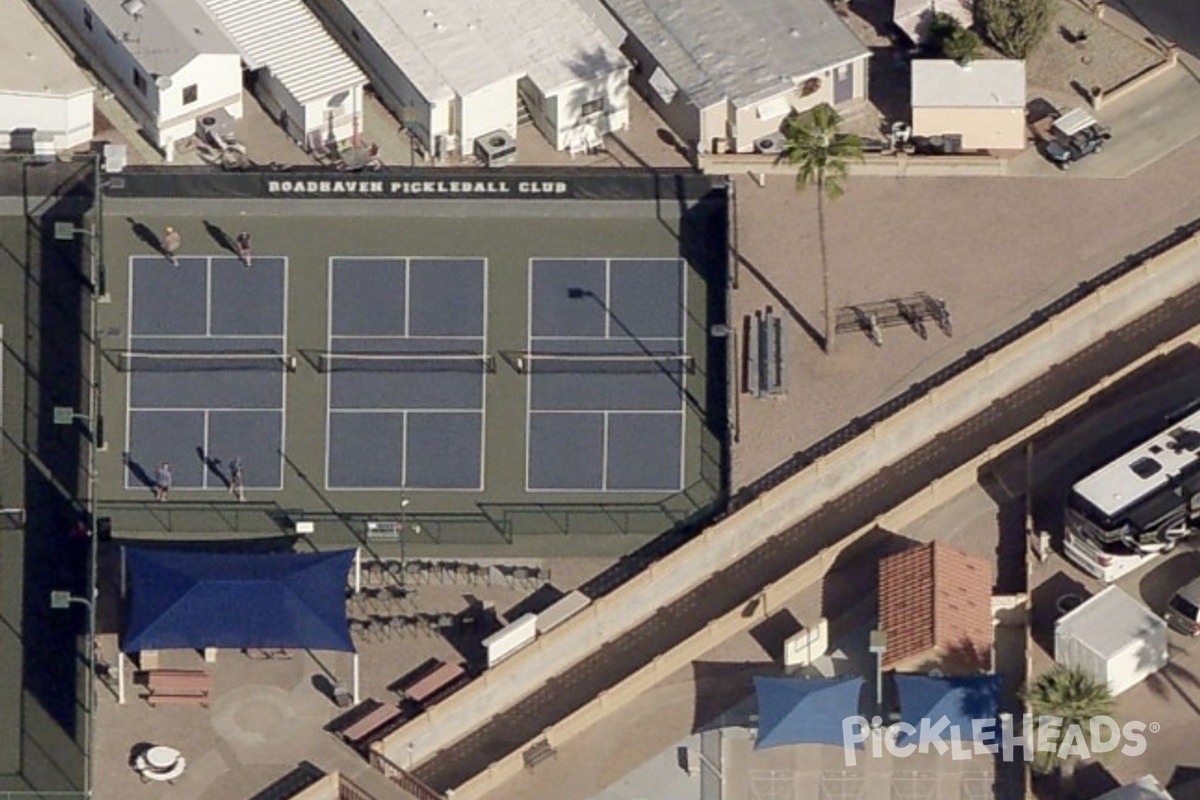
[
  {"x": 496, "y": 149},
  {"x": 770, "y": 145}
]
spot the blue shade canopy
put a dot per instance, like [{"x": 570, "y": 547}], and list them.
[
  {"x": 804, "y": 710},
  {"x": 186, "y": 600},
  {"x": 959, "y": 700}
]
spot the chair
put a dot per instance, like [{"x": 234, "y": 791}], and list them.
[{"x": 374, "y": 573}]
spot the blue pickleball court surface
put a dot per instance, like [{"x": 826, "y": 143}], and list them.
[
  {"x": 206, "y": 377},
  {"x": 407, "y": 364},
  {"x": 607, "y": 368}
]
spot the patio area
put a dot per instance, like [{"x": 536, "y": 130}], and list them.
[{"x": 269, "y": 711}]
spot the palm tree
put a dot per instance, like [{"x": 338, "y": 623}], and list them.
[
  {"x": 821, "y": 154},
  {"x": 1073, "y": 696}
]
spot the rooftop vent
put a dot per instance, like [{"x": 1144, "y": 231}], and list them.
[{"x": 1145, "y": 467}]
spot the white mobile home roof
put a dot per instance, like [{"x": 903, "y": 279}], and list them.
[
  {"x": 31, "y": 59},
  {"x": 284, "y": 36},
  {"x": 164, "y": 35},
  {"x": 1109, "y": 623},
  {"x": 943, "y": 83},
  {"x": 743, "y": 51},
  {"x": 448, "y": 47}
]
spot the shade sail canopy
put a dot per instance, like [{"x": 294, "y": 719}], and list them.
[
  {"x": 804, "y": 710},
  {"x": 959, "y": 700},
  {"x": 235, "y": 600}
]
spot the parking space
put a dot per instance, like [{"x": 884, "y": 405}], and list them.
[
  {"x": 205, "y": 370},
  {"x": 406, "y": 364},
  {"x": 607, "y": 369}
]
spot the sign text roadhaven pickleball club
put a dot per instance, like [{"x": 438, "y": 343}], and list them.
[{"x": 406, "y": 188}]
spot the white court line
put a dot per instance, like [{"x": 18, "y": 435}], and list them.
[
  {"x": 604, "y": 453},
  {"x": 207, "y": 452},
  {"x": 270, "y": 410},
  {"x": 528, "y": 376},
  {"x": 406, "y": 337},
  {"x": 205, "y": 336},
  {"x": 607, "y": 298},
  {"x": 328, "y": 375},
  {"x": 404, "y": 449},
  {"x": 411, "y": 410},
  {"x": 208, "y": 296},
  {"x": 407, "y": 293},
  {"x": 586, "y": 338},
  {"x": 283, "y": 397},
  {"x": 668, "y": 412},
  {"x": 483, "y": 387}
]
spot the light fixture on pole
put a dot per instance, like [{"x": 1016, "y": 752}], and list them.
[
  {"x": 66, "y": 415},
  {"x": 61, "y": 600},
  {"x": 877, "y": 644},
  {"x": 66, "y": 232},
  {"x": 404, "y": 501}
]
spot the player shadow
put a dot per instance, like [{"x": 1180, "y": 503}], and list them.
[
  {"x": 213, "y": 465},
  {"x": 143, "y": 232},
  {"x": 138, "y": 471},
  {"x": 218, "y": 235}
]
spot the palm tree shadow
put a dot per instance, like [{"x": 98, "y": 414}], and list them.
[
  {"x": 143, "y": 232},
  {"x": 782, "y": 299},
  {"x": 223, "y": 239}
]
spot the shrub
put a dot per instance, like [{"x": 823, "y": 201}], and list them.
[{"x": 1014, "y": 26}]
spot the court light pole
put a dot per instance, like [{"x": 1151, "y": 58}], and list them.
[
  {"x": 61, "y": 600},
  {"x": 877, "y": 644}
]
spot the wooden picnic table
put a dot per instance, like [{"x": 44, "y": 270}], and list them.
[{"x": 439, "y": 678}]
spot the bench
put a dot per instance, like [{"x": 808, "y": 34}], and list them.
[
  {"x": 913, "y": 311},
  {"x": 440, "y": 678},
  {"x": 369, "y": 724},
  {"x": 765, "y": 361},
  {"x": 178, "y": 686}
]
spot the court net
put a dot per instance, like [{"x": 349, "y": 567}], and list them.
[
  {"x": 205, "y": 362},
  {"x": 406, "y": 362},
  {"x": 610, "y": 363}
]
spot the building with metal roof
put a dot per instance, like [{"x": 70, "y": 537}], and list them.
[
  {"x": 725, "y": 73},
  {"x": 456, "y": 71},
  {"x": 983, "y": 102},
  {"x": 43, "y": 95},
  {"x": 299, "y": 73}
]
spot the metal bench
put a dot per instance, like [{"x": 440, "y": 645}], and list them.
[{"x": 765, "y": 362}]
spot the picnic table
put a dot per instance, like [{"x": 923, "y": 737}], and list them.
[{"x": 438, "y": 679}]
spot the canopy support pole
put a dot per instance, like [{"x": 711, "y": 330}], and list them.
[
  {"x": 357, "y": 570},
  {"x": 121, "y": 669},
  {"x": 355, "y": 681}
]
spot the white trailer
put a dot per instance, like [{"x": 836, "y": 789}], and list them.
[{"x": 1113, "y": 638}]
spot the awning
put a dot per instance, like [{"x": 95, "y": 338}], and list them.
[
  {"x": 926, "y": 701},
  {"x": 804, "y": 710}
]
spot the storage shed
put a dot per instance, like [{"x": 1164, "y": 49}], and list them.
[
  {"x": 457, "y": 71},
  {"x": 45, "y": 100},
  {"x": 983, "y": 102},
  {"x": 1113, "y": 638}
]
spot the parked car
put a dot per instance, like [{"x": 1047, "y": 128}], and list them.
[
  {"x": 1067, "y": 137},
  {"x": 1183, "y": 609}
]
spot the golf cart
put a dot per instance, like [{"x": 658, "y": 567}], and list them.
[{"x": 1068, "y": 137}]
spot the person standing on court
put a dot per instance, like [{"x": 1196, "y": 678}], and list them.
[
  {"x": 237, "y": 477},
  {"x": 171, "y": 243},
  {"x": 243, "y": 247},
  {"x": 162, "y": 482}
]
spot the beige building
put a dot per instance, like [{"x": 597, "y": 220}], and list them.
[{"x": 983, "y": 102}]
